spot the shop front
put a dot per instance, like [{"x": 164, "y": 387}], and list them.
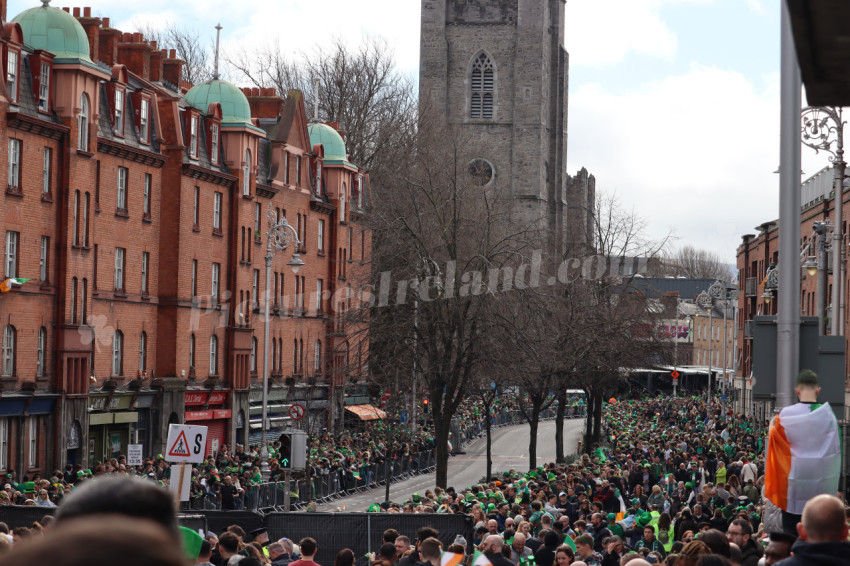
[
  {"x": 209, "y": 409},
  {"x": 111, "y": 426}
]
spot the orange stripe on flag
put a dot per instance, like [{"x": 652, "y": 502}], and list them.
[
  {"x": 451, "y": 559},
  {"x": 777, "y": 466},
  {"x": 620, "y": 516}
]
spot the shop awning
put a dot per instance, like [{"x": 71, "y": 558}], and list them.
[{"x": 366, "y": 412}]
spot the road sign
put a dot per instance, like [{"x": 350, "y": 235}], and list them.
[
  {"x": 297, "y": 411},
  {"x": 186, "y": 443},
  {"x": 674, "y": 374},
  {"x": 134, "y": 454}
]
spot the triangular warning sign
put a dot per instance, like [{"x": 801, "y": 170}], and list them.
[{"x": 180, "y": 446}]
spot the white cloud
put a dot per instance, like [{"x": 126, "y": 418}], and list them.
[
  {"x": 605, "y": 31},
  {"x": 693, "y": 153}
]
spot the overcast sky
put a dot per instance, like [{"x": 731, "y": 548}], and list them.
[{"x": 673, "y": 104}]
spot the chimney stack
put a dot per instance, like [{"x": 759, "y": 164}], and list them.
[{"x": 172, "y": 68}]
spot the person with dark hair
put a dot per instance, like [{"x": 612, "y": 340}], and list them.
[
  {"x": 344, "y": 557},
  {"x": 122, "y": 496},
  {"x": 204, "y": 554},
  {"x": 716, "y": 541},
  {"x": 421, "y": 534},
  {"x": 309, "y": 548},
  {"x": 779, "y": 548},
  {"x": 107, "y": 539},
  {"x": 390, "y": 535},
  {"x": 713, "y": 560},
  {"x": 228, "y": 545},
  {"x": 386, "y": 555},
  {"x": 741, "y": 533},
  {"x": 545, "y": 555}
]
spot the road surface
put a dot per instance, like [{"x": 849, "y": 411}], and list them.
[{"x": 510, "y": 450}]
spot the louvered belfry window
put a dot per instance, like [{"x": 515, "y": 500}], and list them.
[{"x": 481, "y": 102}]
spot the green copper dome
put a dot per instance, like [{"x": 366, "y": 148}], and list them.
[
  {"x": 331, "y": 140},
  {"x": 235, "y": 110},
  {"x": 56, "y": 31}
]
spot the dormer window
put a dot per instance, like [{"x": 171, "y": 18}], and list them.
[
  {"x": 193, "y": 137},
  {"x": 118, "y": 126},
  {"x": 44, "y": 88},
  {"x": 83, "y": 124},
  {"x": 214, "y": 144},
  {"x": 246, "y": 174},
  {"x": 144, "y": 120},
  {"x": 319, "y": 177},
  {"x": 12, "y": 66}
]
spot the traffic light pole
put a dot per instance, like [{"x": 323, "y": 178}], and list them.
[{"x": 287, "y": 476}]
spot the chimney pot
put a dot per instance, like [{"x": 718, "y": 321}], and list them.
[
  {"x": 87, "y": 12},
  {"x": 106, "y": 22},
  {"x": 172, "y": 54},
  {"x": 153, "y": 45},
  {"x": 77, "y": 12},
  {"x": 66, "y": 9}
]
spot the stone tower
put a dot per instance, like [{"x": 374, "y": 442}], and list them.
[{"x": 499, "y": 68}]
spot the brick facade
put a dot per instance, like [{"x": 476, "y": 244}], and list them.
[{"x": 120, "y": 240}]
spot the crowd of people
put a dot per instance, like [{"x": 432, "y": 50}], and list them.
[
  {"x": 231, "y": 479},
  {"x": 676, "y": 478}
]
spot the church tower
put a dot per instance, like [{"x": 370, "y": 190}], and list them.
[{"x": 499, "y": 68}]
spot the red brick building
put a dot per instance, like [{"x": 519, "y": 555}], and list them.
[
  {"x": 758, "y": 252},
  {"x": 137, "y": 206}
]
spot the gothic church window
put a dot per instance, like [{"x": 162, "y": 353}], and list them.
[{"x": 482, "y": 83}]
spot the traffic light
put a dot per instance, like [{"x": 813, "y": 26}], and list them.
[
  {"x": 285, "y": 456},
  {"x": 424, "y": 405}
]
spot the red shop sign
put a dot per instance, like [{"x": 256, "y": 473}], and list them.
[
  {"x": 218, "y": 398},
  {"x": 221, "y": 414},
  {"x": 198, "y": 415},
  {"x": 195, "y": 398}
]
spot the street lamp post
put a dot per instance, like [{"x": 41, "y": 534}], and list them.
[
  {"x": 707, "y": 299},
  {"x": 279, "y": 237},
  {"x": 821, "y": 128}
]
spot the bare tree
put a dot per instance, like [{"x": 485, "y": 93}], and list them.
[
  {"x": 443, "y": 233},
  {"x": 360, "y": 88},
  {"x": 696, "y": 263},
  {"x": 187, "y": 42}
]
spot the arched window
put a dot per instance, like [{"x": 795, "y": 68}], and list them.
[
  {"x": 254, "y": 355},
  {"x": 83, "y": 124},
  {"x": 192, "y": 354},
  {"x": 482, "y": 86},
  {"x": 9, "y": 351},
  {"x": 246, "y": 174},
  {"x": 143, "y": 352},
  {"x": 213, "y": 354},
  {"x": 41, "y": 370},
  {"x": 118, "y": 353}
]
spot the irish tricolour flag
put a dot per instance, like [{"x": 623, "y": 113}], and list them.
[
  {"x": 451, "y": 559},
  {"x": 803, "y": 456},
  {"x": 479, "y": 559},
  {"x": 11, "y": 282}
]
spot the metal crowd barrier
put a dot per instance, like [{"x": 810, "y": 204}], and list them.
[{"x": 337, "y": 483}]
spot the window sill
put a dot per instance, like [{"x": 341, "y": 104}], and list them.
[
  {"x": 46, "y": 197},
  {"x": 84, "y": 153},
  {"x": 258, "y": 241},
  {"x": 248, "y": 197},
  {"x": 320, "y": 253},
  {"x": 119, "y": 294},
  {"x": 146, "y": 296},
  {"x": 122, "y": 213},
  {"x": 14, "y": 191},
  {"x": 217, "y": 232},
  {"x": 196, "y": 228},
  {"x": 146, "y": 218}
]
